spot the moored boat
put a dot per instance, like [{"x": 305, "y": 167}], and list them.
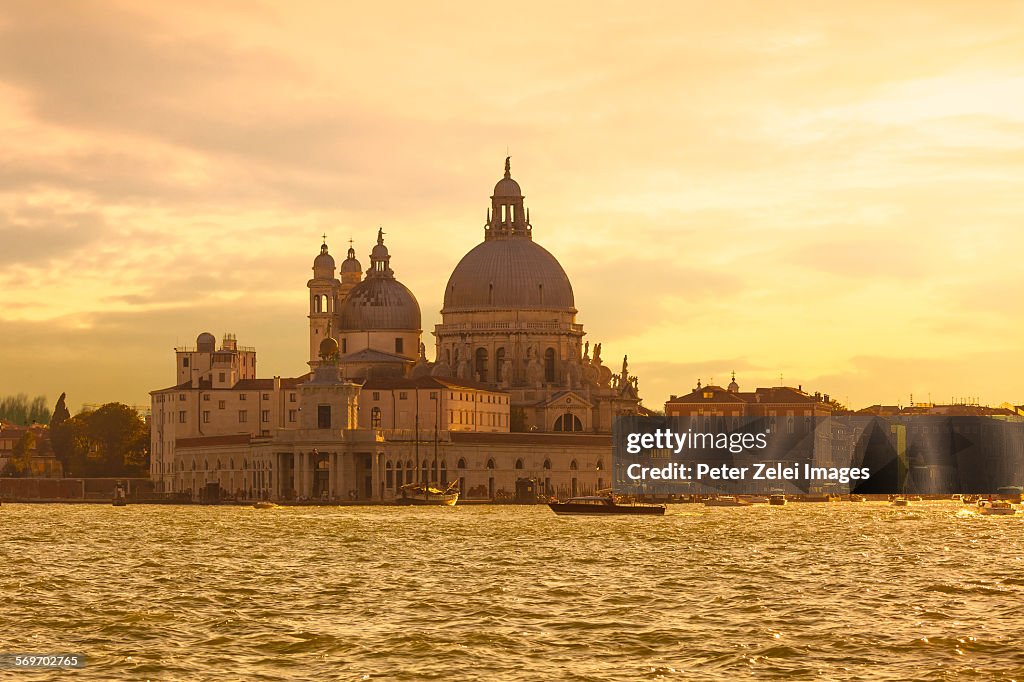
[
  {"x": 777, "y": 500},
  {"x": 726, "y": 501},
  {"x": 594, "y": 505},
  {"x": 858, "y": 498},
  {"x": 424, "y": 494},
  {"x": 263, "y": 504},
  {"x": 901, "y": 501},
  {"x": 997, "y": 508}
]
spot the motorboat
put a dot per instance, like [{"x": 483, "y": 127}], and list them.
[
  {"x": 858, "y": 498},
  {"x": 726, "y": 501},
  {"x": 997, "y": 508},
  {"x": 777, "y": 500},
  {"x": 264, "y": 504},
  {"x": 597, "y": 505},
  {"x": 900, "y": 501}
]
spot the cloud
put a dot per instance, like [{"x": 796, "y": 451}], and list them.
[{"x": 37, "y": 235}]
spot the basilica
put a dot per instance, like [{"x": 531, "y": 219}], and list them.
[{"x": 513, "y": 393}]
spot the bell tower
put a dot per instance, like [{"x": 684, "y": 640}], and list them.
[{"x": 324, "y": 290}]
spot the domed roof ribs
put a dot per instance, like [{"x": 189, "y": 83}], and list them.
[{"x": 507, "y": 218}]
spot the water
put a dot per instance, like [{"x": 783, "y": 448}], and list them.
[{"x": 806, "y": 591}]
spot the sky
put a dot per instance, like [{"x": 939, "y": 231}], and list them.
[{"x": 825, "y": 192}]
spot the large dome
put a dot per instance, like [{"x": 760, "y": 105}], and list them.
[
  {"x": 508, "y": 273},
  {"x": 379, "y": 303}
]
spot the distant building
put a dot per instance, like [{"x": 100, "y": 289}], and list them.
[
  {"x": 777, "y": 401},
  {"x": 42, "y": 461}
]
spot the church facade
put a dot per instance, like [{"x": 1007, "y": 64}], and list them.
[{"x": 513, "y": 392}]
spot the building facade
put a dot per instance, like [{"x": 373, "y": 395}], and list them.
[{"x": 513, "y": 391}]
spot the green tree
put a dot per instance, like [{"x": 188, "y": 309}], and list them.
[
  {"x": 118, "y": 441},
  {"x": 63, "y": 438},
  {"x": 20, "y": 410}
]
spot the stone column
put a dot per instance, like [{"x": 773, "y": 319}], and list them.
[
  {"x": 307, "y": 470},
  {"x": 332, "y": 474},
  {"x": 300, "y": 474},
  {"x": 375, "y": 475}
]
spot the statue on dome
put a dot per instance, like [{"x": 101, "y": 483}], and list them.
[
  {"x": 625, "y": 367},
  {"x": 597, "y": 354}
]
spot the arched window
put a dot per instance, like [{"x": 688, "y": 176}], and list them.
[
  {"x": 375, "y": 418},
  {"x": 206, "y": 465},
  {"x": 444, "y": 471},
  {"x": 600, "y": 465},
  {"x": 426, "y": 475},
  {"x": 499, "y": 362},
  {"x": 461, "y": 463},
  {"x": 519, "y": 464},
  {"x": 573, "y": 466},
  {"x": 389, "y": 475},
  {"x": 398, "y": 475},
  {"x": 568, "y": 422},
  {"x": 490, "y": 464},
  {"x": 231, "y": 464},
  {"x": 316, "y": 304},
  {"x": 547, "y": 463},
  {"x": 481, "y": 364},
  {"x": 549, "y": 365}
]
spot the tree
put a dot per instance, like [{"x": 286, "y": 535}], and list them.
[
  {"x": 118, "y": 441},
  {"x": 20, "y": 463},
  {"x": 60, "y": 411},
  {"x": 63, "y": 438},
  {"x": 20, "y": 410}
]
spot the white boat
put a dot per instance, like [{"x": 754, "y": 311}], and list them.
[
  {"x": 264, "y": 505},
  {"x": 726, "y": 501},
  {"x": 900, "y": 501},
  {"x": 997, "y": 508}
]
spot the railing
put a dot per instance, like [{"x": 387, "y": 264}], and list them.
[{"x": 509, "y": 326}]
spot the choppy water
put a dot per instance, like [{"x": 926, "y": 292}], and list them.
[{"x": 810, "y": 591}]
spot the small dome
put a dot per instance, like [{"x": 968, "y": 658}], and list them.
[
  {"x": 379, "y": 303},
  {"x": 328, "y": 348},
  {"x": 507, "y": 187},
  {"x": 350, "y": 264},
  {"x": 379, "y": 252},
  {"x": 206, "y": 343},
  {"x": 325, "y": 261}
]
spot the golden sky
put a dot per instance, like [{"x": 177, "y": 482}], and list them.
[{"x": 830, "y": 191}]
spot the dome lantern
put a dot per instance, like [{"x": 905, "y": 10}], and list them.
[{"x": 506, "y": 217}]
